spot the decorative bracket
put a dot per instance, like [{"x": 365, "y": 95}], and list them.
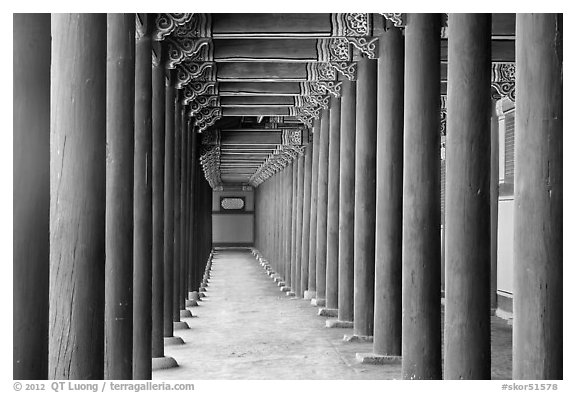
[
  {"x": 398, "y": 19},
  {"x": 188, "y": 71},
  {"x": 333, "y": 50},
  {"x": 366, "y": 45},
  {"x": 194, "y": 89},
  {"x": 346, "y": 69},
  {"x": 165, "y": 24},
  {"x": 443, "y": 111},
  {"x": 320, "y": 72},
  {"x": 305, "y": 101},
  {"x": 504, "y": 81},
  {"x": 321, "y": 88},
  {"x": 203, "y": 102},
  {"x": 292, "y": 137},
  {"x": 200, "y": 49},
  {"x": 351, "y": 25}
]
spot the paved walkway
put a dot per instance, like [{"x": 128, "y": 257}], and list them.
[{"x": 246, "y": 328}]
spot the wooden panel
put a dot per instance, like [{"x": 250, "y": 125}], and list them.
[
  {"x": 257, "y": 101},
  {"x": 251, "y": 137},
  {"x": 262, "y": 70},
  {"x": 259, "y": 88},
  {"x": 262, "y": 49},
  {"x": 256, "y": 111},
  {"x": 270, "y": 24}
]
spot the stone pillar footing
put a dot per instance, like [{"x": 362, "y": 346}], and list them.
[
  {"x": 285, "y": 289},
  {"x": 338, "y": 324},
  {"x": 290, "y": 293},
  {"x": 318, "y": 302},
  {"x": 174, "y": 340},
  {"x": 194, "y": 295},
  {"x": 328, "y": 312},
  {"x": 202, "y": 289},
  {"x": 372, "y": 358},
  {"x": 186, "y": 314},
  {"x": 191, "y": 303},
  {"x": 281, "y": 283},
  {"x": 181, "y": 325},
  {"x": 354, "y": 338},
  {"x": 202, "y": 294},
  {"x": 277, "y": 279},
  {"x": 163, "y": 363},
  {"x": 308, "y": 295}
]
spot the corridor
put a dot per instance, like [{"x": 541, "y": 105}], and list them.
[{"x": 246, "y": 328}]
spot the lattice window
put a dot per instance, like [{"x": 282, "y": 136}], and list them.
[{"x": 232, "y": 203}]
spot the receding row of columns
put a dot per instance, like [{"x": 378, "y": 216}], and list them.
[
  {"x": 374, "y": 247},
  {"x": 129, "y": 210}
]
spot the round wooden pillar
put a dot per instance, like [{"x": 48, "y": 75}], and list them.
[
  {"x": 346, "y": 203},
  {"x": 297, "y": 287},
  {"x": 365, "y": 198},
  {"x": 389, "y": 156},
  {"x": 467, "y": 307},
  {"x": 288, "y": 222},
  {"x": 333, "y": 210},
  {"x": 142, "y": 350},
  {"x": 31, "y": 195},
  {"x": 421, "y": 329},
  {"x": 169, "y": 210},
  {"x": 311, "y": 293},
  {"x": 177, "y": 207},
  {"x": 77, "y": 197},
  {"x": 322, "y": 207},
  {"x": 305, "y": 218},
  {"x": 537, "y": 340},
  {"x": 120, "y": 67}
]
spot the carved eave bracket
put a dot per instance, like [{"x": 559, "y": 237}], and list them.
[
  {"x": 314, "y": 101},
  {"x": 366, "y": 45},
  {"x": 187, "y": 71},
  {"x": 504, "y": 81},
  {"x": 210, "y": 161},
  {"x": 397, "y": 19},
  {"x": 321, "y": 88},
  {"x": 196, "y": 88},
  {"x": 165, "y": 24},
  {"x": 347, "y": 69},
  {"x": 180, "y": 49},
  {"x": 292, "y": 137},
  {"x": 443, "y": 111},
  {"x": 332, "y": 50},
  {"x": 352, "y": 24},
  {"x": 320, "y": 72},
  {"x": 203, "y": 102}
]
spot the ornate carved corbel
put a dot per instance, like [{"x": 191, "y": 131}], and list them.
[
  {"x": 292, "y": 137},
  {"x": 366, "y": 45},
  {"x": 180, "y": 49},
  {"x": 351, "y": 25},
  {"x": 321, "y": 88},
  {"x": 398, "y": 19},
  {"x": 346, "y": 69},
  {"x": 320, "y": 72},
  {"x": 333, "y": 50},
  {"x": 165, "y": 24},
  {"x": 203, "y": 102},
  {"x": 504, "y": 81},
  {"x": 192, "y": 90},
  {"x": 187, "y": 71}
]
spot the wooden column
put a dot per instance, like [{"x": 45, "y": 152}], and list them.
[
  {"x": 194, "y": 278},
  {"x": 31, "y": 195},
  {"x": 158, "y": 149},
  {"x": 537, "y": 340},
  {"x": 169, "y": 209},
  {"x": 184, "y": 190},
  {"x": 299, "y": 206},
  {"x": 177, "y": 207},
  {"x": 333, "y": 209},
  {"x": 322, "y": 207},
  {"x": 467, "y": 307},
  {"x": 346, "y": 203},
  {"x": 311, "y": 293},
  {"x": 77, "y": 196},
  {"x": 292, "y": 279},
  {"x": 365, "y": 198},
  {"x": 306, "y": 219},
  {"x": 389, "y": 156},
  {"x": 120, "y": 66},
  {"x": 142, "y": 350},
  {"x": 288, "y": 223},
  {"x": 421, "y": 330}
]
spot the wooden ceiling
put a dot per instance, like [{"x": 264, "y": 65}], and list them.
[{"x": 255, "y": 83}]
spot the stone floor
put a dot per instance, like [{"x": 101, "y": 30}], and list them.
[{"x": 246, "y": 328}]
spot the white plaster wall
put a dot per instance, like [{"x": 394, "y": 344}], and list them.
[{"x": 233, "y": 228}]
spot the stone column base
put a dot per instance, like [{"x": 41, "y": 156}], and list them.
[
  {"x": 202, "y": 294},
  {"x": 163, "y": 363},
  {"x": 281, "y": 283},
  {"x": 290, "y": 293},
  {"x": 372, "y": 358},
  {"x": 174, "y": 340},
  {"x": 191, "y": 303},
  {"x": 308, "y": 295},
  {"x": 285, "y": 289},
  {"x": 338, "y": 324},
  {"x": 186, "y": 314},
  {"x": 194, "y": 296},
  {"x": 277, "y": 279},
  {"x": 318, "y": 302},
  {"x": 181, "y": 325},
  {"x": 328, "y": 312},
  {"x": 354, "y": 338}
]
